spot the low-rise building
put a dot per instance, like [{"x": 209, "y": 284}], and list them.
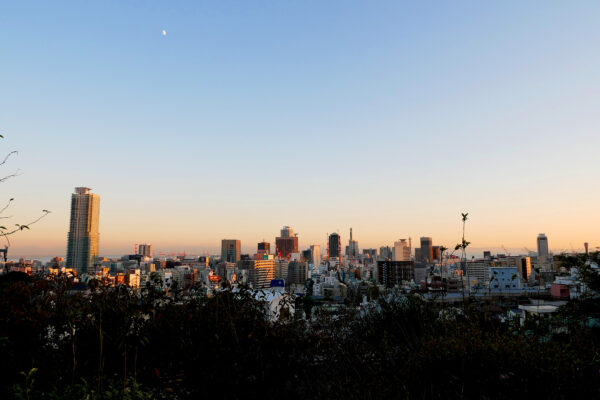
[{"x": 504, "y": 279}]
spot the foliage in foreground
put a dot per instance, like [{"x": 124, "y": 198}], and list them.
[{"x": 114, "y": 344}]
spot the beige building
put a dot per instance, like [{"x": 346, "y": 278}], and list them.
[{"x": 401, "y": 251}]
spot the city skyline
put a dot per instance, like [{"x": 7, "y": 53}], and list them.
[
  {"x": 198, "y": 123},
  {"x": 247, "y": 247},
  {"x": 250, "y": 247}
]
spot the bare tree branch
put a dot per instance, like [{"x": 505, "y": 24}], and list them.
[
  {"x": 6, "y": 206},
  {"x": 8, "y": 156},
  {"x": 7, "y": 177},
  {"x": 4, "y": 232}
]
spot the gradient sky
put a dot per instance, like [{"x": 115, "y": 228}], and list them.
[{"x": 388, "y": 116}]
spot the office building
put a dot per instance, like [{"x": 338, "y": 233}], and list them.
[
  {"x": 371, "y": 253},
  {"x": 436, "y": 253},
  {"x": 401, "y": 251},
  {"x": 144, "y": 250},
  {"x": 230, "y": 250},
  {"x": 542, "y": 248},
  {"x": 385, "y": 252},
  {"x": 281, "y": 269},
  {"x": 203, "y": 262},
  {"x": 391, "y": 273},
  {"x": 84, "y": 237},
  {"x": 352, "y": 248},
  {"x": 334, "y": 248},
  {"x": 264, "y": 248},
  {"x": 261, "y": 272},
  {"x": 522, "y": 264},
  {"x": 426, "y": 250},
  {"x": 307, "y": 256},
  {"x": 418, "y": 255},
  {"x": 478, "y": 272},
  {"x": 287, "y": 243},
  {"x": 297, "y": 272}
]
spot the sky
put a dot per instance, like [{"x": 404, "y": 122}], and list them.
[{"x": 390, "y": 117}]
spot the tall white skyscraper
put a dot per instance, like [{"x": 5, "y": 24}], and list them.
[
  {"x": 542, "y": 247},
  {"x": 84, "y": 237}
]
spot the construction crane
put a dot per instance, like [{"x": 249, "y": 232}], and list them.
[{"x": 506, "y": 251}]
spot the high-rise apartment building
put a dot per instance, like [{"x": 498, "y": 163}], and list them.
[
  {"x": 84, "y": 237},
  {"x": 230, "y": 250},
  {"x": 287, "y": 243},
  {"x": 542, "y": 247}
]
